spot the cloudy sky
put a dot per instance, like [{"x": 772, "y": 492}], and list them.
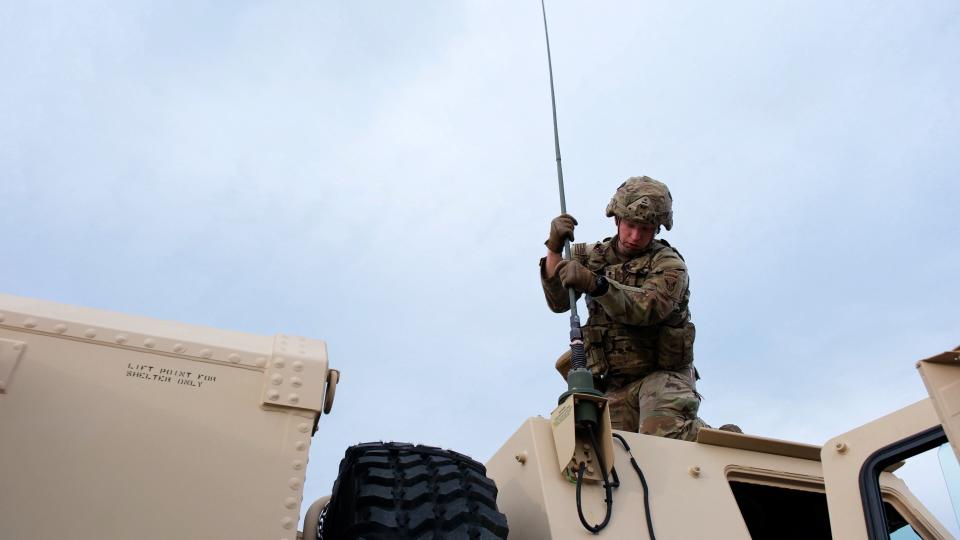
[{"x": 381, "y": 175}]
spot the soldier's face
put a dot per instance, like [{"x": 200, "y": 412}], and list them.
[{"x": 634, "y": 236}]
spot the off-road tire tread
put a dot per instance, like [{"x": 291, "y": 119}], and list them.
[{"x": 404, "y": 491}]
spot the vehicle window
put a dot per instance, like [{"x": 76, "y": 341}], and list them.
[
  {"x": 897, "y": 526},
  {"x": 951, "y": 475},
  {"x": 928, "y": 476},
  {"x": 924, "y": 475},
  {"x": 777, "y": 513}
]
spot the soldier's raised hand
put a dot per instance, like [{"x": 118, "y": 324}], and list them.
[
  {"x": 561, "y": 228},
  {"x": 576, "y": 275}
]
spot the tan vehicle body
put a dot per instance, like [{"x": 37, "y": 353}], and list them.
[
  {"x": 115, "y": 426},
  {"x": 689, "y": 483}
]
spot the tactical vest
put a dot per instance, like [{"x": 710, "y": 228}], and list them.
[{"x": 623, "y": 352}]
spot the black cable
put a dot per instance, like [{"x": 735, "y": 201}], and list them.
[
  {"x": 643, "y": 483},
  {"x": 583, "y": 520},
  {"x": 607, "y": 487}
]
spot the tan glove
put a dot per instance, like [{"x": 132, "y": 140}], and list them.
[
  {"x": 576, "y": 275},
  {"x": 561, "y": 228}
]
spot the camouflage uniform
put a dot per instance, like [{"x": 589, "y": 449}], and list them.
[{"x": 639, "y": 337}]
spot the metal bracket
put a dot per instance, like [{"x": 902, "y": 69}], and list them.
[
  {"x": 572, "y": 448},
  {"x": 296, "y": 374},
  {"x": 10, "y": 353}
]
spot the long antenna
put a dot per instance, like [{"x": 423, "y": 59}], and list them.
[
  {"x": 578, "y": 359},
  {"x": 556, "y": 131},
  {"x": 586, "y": 412}
]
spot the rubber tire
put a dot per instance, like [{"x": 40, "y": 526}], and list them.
[{"x": 401, "y": 491}]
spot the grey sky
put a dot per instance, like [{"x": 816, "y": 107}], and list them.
[{"x": 381, "y": 176}]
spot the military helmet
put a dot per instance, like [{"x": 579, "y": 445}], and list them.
[{"x": 644, "y": 200}]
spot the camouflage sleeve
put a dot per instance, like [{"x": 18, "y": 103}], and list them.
[
  {"x": 557, "y": 297},
  {"x": 660, "y": 296}
]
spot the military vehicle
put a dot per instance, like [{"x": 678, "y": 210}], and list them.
[{"x": 116, "y": 426}]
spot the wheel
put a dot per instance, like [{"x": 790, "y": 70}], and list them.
[{"x": 401, "y": 491}]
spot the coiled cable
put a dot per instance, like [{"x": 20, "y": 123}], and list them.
[{"x": 607, "y": 487}]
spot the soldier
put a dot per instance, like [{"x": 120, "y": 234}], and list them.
[{"x": 638, "y": 337}]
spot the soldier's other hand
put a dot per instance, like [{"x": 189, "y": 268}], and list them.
[
  {"x": 561, "y": 228},
  {"x": 576, "y": 275}
]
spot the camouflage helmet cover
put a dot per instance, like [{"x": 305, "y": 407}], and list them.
[{"x": 644, "y": 200}]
